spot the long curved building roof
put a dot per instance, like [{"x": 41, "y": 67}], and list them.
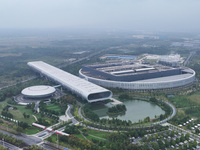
[{"x": 85, "y": 89}]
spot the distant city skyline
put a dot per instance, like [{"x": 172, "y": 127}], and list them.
[{"x": 106, "y": 15}]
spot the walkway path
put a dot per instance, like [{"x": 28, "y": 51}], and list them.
[
  {"x": 174, "y": 111},
  {"x": 96, "y": 137},
  {"x": 67, "y": 115},
  {"x": 35, "y": 117},
  {"x": 83, "y": 135}
]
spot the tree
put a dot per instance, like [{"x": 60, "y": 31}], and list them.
[
  {"x": 172, "y": 142},
  {"x": 182, "y": 139},
  {"x": 71, "y": 129},
  {"x": 161, "y": 144},
  {"x": 194, "y": 144},
  {"x": 24, "y": 114},
  {"x": 19, "y": 129},
  {"x": 124, "y": 97},
  {"x": 35, "y": 147},
  {"x": 177, "y": 140},
  {"x": 187, "y": 136},
  {"x": 167, "y": 144},
  {"x": 154, "y": 146}
]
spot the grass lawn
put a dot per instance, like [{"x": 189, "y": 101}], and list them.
[
  {"x": 92, "y": 133},
  {"x": 32, "y": 130},
  {"x": 89, "y": 137},
  {"x": 3, "y": 104},
  {"x": 18, "y": 115},
  {"x": 195, "y": 97},
  {"x": 79, "y": 136},
  {"x": 98, "y": 133},
  {"x": 181, "y": 101},
  {"x": 96, "y": 138},
  {"x": 53, "y": 107}
]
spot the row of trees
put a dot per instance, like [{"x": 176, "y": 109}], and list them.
[
  {"x": 163, "y": 105},
  {"x": 71, "y": 129},
  {"x": 43, "y": 121},
  {"x": 115, "y": 122},
  {"x": 125, "y": 97},
  {"x": 12, "y": 140},
  {"x": 30, "y": 106},
  {"x": 22, "y": 124},
  {"x": 34, "y": 147},
  {"x": 5, "y": 112},
  {"x": 43, "y": 108},
  {"x": 89, "y": 113}
]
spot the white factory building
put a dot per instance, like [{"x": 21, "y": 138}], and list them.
[{"x": 82, "y": 88}]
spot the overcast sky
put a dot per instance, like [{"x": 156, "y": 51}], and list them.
[{"x": 151, "y": 15}]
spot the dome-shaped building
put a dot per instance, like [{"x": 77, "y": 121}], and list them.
[{"x": 38, "y": 92}]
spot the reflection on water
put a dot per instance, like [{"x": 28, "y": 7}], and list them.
[{"x": 136, "y": 110}]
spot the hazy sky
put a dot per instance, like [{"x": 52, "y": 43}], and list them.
[{"x": 156, "y": 15}]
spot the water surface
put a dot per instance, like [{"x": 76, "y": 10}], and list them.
[{"x": 136, "y": 110}]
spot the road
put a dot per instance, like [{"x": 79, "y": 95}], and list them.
[
  {"x": 9, "y": 146},
  {"x": 47, "y": 147},
  {"x": 30, "y": 78},
  {"x": 74, "y": 121},
  {"x": 28, "y": 139},
  {"x": 87, "y": 57},
  {"x": 188, "y": 58},
  {"x": 171, "y": 116}
]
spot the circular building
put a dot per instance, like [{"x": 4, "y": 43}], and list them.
[
  {"x": 40, "y": 91},
  {"x": 137, "y": 76}
]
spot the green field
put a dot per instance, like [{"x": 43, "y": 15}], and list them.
[
  {"x": 53, "y": 107},
  {"x": 32, "y": 130},
  {"x": 18, "y": 114},
  {"x": 195, "y": 97},
  {"x": 93, "y": 134}
]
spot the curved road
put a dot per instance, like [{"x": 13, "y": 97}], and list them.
[{"x": 174, "y": 111}]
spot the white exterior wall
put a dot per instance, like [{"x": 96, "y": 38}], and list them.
[
  {"x": 136, "y": 85},
  {"x": 73, "y": 83}
]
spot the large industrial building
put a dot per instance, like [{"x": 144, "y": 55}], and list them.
[
  {"x": 85, "y": 89},
  {"x": 137, "y": 76}
]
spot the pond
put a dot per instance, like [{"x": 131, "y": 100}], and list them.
[{"x": 136, "y": 110}]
